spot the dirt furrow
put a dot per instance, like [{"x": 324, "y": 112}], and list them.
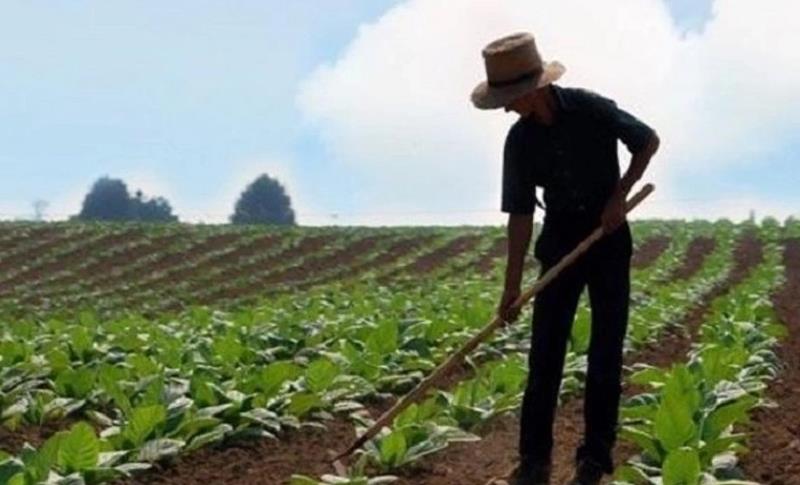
[
  {"x": 488, "y": 260},
  {"x": 697, "y": 251},
  {"x": 435, "y": 259},
  {"x": 266, "y": 267},
  {"x": 103, "y": 265},
  {"x": 73, "y": 257},
  {"x": 649, "y": 251},
  {"x": 14, "y": 237},
  {"x": 43, "y": 244},
  {"x": 774, "y": 458}
]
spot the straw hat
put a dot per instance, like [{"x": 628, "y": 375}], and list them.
[{"x": 513, "y": 68}]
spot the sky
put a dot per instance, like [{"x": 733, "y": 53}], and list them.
[{"x": 361, "y": 107}]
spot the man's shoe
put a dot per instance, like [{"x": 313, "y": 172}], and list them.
[
  {"x": 530, "y": 474},
  {"x": 587, "y": 472}
]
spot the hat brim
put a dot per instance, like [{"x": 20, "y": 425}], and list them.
[{"x": 485, "y": 96}]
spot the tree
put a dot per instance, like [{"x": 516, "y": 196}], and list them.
[
  {"x": 39, "y": 206},
  {"x": 264, "y": 201},
  {"x": 156, "y": 209},
  {"x": 107, "y": 200}
]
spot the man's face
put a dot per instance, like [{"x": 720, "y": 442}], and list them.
[{"x": 522, "y": 105}]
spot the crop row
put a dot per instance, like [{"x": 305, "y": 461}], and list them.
[{"x": 107, "y": 371}]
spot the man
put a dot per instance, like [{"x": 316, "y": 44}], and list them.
[{"x": 565, "y": 141}]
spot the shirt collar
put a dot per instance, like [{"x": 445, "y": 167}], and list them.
[{"x": 562, "y": 98}]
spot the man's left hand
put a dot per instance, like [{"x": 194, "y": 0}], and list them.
[{"x": 614, "y": 213}]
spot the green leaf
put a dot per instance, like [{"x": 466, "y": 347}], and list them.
[
  {"x": 228, "y": 349},
  {"x": 109, "y": 378},
  {"x": 673, "y": 424},
  {"x": 40, "y": 463},
  {"x": 320, "y": 374},
  {"x": 727, "y": 414},
  {"x": 644, "y": 440},
  {"x": 158, "y": 449},
  {"x": 214, "y": 436},
  {"x": 143, "y": 421},
  {"x": 649, "y": 376},
  {"x": 393, "y": 448},
  {"x": 77, "y": 383},
  {"x": 78, "y": 450},
  {"x": 275, "y": 375},
  {"x": 630, "y": 474},
  {"x": 384, "y": 339},
  {"x": 303, "y": 480},
  {"x": 10, "y": 468},
  {"x": 682, "y": 467},
  {"x": 81, "y": 343},
  {"x": 303, "y": 402}
]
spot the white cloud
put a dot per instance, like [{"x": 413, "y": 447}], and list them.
[{"x": 394, "y": 107}]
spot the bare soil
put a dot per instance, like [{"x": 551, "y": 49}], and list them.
[
  {"x": 266, "y": 268},
  {"x": 775, "y": 439},
  {"x": 13, "y": 238},
  {"x": 71, "y": 258},
  {"x": 44, "y": 243},
  {"x": 12, "y": 441},
  {"x": 699, "y": 248},
  {"x": 163, "y": 265},
  {"x": 649, "y": 251},
  {"x": 104, "y": 265},
  {"x": 435, "y": 259},
  {"x": 488, "y": 260}
]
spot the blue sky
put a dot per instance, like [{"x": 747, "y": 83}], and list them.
[{"x": 190, "y": 99}]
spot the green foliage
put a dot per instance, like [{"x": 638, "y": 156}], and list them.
[{"x": 264, "y": 201}]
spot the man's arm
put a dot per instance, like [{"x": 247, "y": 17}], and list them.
[
  {"x": 519, "y": 231},
  {"x": 614, "y": 213},
  {"x": 639, "y": 162}
]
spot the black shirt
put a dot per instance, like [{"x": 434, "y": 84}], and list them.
[{"x": 574, "y": 160}]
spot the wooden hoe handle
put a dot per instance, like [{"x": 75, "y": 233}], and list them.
[{"x": 420, "y": 390}]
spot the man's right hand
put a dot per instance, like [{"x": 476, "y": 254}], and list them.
[{"x": 506, "y": 309}]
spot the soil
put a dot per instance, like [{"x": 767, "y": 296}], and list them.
[
  {"x": 488, "y": 260},
  {"x": 143, "y": 277},
  {"x": 12, "y": 441},
  {"x": 649, "y": 251},
  {"x": 386, "y": 257},
  {"x": 111, "y": 270},
  {"x": 97, "y": 269},
  {"x": 45, "y": 243},
  {"x": 70, "y": 258},
  {"x": 266, "y": 267},
  {"x": 437, "y": 258},
  {"x": 13, "y": 238},
  {"x": 775, "y": 438},
  {"x": 699, "y": 248}
]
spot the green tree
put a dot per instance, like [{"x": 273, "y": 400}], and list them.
[
  {"x": 264, "y": 201},
  {"x": 155, "y": 209},
  {"x": 107, "y": 200}
]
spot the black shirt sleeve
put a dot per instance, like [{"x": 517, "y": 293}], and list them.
[
  {"x": 519, "y": 190},
  {"x": 634, "y": 133}
]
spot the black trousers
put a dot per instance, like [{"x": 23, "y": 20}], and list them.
[{"x": 605, "y": 270}]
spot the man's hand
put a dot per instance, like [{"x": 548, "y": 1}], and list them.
[
  {"x": 505, "y": 309},
  {"x": 614, "y": 212}
]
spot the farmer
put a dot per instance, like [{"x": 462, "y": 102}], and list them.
[{"x": 565, "y": 141}]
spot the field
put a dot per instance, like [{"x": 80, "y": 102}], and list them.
[{"x": 180, "y": 354}]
